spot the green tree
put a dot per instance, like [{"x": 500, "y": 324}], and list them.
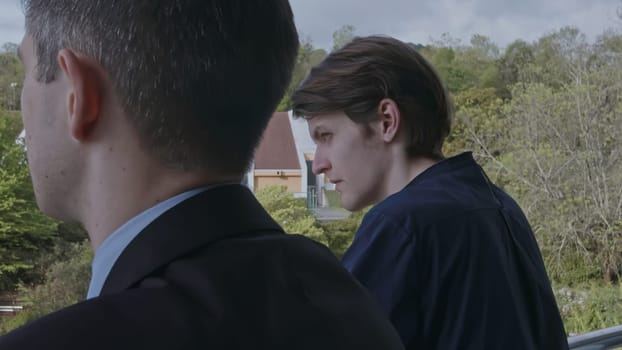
[
  {"x": 454, "y": 77},
  {"x": 342, "y": 36},
  {"x": 11, "y": 77},
  {"x": 340, "y": 233},
  {"x": 559, "y": 58},
  {"x": 464, "y": 67},
  {"x": 307, "y": 58},
  {"x": 559, "y": 153},
  {"x": 566, "y": 164},
  {"x": 9, "y": 47},
  {"x": 65, "y": 282},
  {"x": 517, "y": 57},
  {"x": 291, "y": 213},
  {"x": 24, "y": 231},
  {"x": 479, "y": 126}
]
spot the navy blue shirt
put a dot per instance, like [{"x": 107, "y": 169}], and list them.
[{"x": 454, "y": 263}]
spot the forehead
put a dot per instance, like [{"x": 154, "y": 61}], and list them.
[{"x": 325, "y": 120}]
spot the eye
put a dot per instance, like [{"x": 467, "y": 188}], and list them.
[{"x": 325, "y": 136}]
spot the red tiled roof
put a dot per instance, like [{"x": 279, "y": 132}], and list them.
[{"x": 277, "y": 149}]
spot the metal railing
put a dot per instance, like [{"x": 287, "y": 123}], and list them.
[
  {"x": 10, "y": 309},
  {"x": 312, "y": 197}
]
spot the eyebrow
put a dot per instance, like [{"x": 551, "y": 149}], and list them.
[
  {"x": 317, "y": 131},
  {"x": 314, "y": 133}
]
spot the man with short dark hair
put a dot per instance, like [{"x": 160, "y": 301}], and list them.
[
  {"x": 141, "y": 118},
  {"x": 448, "y": 255}
]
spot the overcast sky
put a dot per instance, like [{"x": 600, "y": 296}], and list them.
[{"x": 420, "y": 21}]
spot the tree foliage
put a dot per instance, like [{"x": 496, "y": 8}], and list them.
[
  {"x": 24, "y": 231},
  {"x": 66, "y": 275},
  {"x": 11, "y": 76},
  {"x": 291, "y": 213},
  {"x": 551, "y": 135},
  {"x": 342, "y": 36},
  {"x": 308, "y": 56},
  {"x": 565, "y": 158},
  {"x": 464, "y": 67},
  {"x": 340, "y": 233}
]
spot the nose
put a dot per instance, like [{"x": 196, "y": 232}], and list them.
[{"x": 320, "y": 162}]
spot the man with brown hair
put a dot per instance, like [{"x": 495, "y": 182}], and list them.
[
  {"x": 448, "y": 255},
  {"x": 141, "y": 118}
]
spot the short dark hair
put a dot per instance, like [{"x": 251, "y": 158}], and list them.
[
  {"x": 355, "y": 78},
  {"x": 199, "y": 79}
]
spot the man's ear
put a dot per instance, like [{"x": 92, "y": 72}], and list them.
[
  {"x": 390, "y": 119},
  {"x": 85, "y": 94}
]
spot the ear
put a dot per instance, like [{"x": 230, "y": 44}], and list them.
[
  {"x": 389, "y": 119},
  {"x": 84, "y": 99}
]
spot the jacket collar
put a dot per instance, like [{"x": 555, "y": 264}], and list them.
[{"x": 218, "y": 213}]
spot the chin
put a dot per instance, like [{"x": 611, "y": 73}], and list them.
[
  {"x": 350, "y": 205},
  {"x": 356, "y": 203},
  {"x": 53, "y": 211}
]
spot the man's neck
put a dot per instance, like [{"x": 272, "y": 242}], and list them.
[
  {"x": 403, "y": 172},
  {"x": 117, "y": 198}
]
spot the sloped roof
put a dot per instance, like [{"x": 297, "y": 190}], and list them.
[
  {"x": 303, "y": 140},
  {"x": 277, "y": 149}
]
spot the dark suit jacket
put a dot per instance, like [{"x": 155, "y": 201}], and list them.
[{"x": 216, "y": 272}]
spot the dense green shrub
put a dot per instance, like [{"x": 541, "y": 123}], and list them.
[
  {"x": 590, "y": 307},
  {"x": 65, "y": 283}
]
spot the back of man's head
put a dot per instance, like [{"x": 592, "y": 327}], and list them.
[
  {"x": 198, "y": 79},
  {"x": 355, "y": 78}
]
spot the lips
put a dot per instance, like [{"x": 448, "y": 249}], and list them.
[
  {"x": 331, "y": 180},
  {"x": 337, "y": 183}
]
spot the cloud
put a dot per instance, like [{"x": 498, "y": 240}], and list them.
[
  {"x": 11, "y": 21},
  {"x": 420, "y": 21}
]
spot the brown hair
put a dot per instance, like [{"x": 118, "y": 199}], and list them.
[
  {"x": 355, "y": 78},
  {"x": 199, "y": 79}
]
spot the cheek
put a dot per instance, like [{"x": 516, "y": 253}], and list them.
[
  {"x": 42, "y": 107},
  {"x": 27, "y": 106},
  {"x": 34, "y": 112}
]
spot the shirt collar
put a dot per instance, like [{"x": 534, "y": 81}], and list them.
[{"x": 108, "y": 252}]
